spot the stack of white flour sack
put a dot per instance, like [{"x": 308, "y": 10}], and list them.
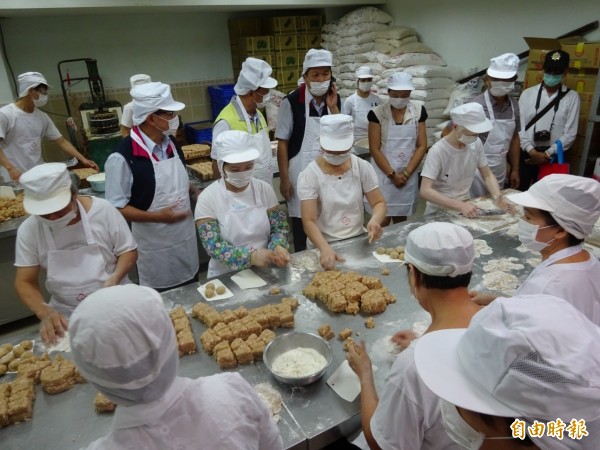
[{"x": 367, "y": 37}]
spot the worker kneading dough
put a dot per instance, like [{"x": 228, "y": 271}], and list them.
[
  {"x": 331, "y": 191},
  {"x": 156, "y": 408},
  {"x": 82, "y": 243},
  {"x": 238, "y": 217}
]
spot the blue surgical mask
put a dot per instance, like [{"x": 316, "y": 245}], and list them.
[{"x": 552, "y": 80}]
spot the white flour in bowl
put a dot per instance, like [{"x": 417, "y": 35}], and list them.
[{"x": 299, "y": 362}]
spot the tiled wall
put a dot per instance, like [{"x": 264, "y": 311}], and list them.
[{"x": 193, "y": 93}]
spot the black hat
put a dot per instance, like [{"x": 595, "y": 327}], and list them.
[{"x": 556, "y": 59}]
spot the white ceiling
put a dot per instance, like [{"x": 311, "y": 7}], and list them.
[{"x": 12, "y": 8}]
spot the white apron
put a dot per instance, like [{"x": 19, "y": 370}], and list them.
[
  {"x": 167, "y": 252},
  {"x": 263, "y": 165},
  {"x": 539, "y": 270},
  {"x": 309, "y": 151},
  {"x": 398, "y": 149},
  {"x": 341, "y": 212},
  {"x": 496, "y": 147},
  {"x": 248, "y": 227},
  {"x": 72, "y": 275},
  {"x": 360, "y": 111}
]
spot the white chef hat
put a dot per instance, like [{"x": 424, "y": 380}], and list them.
[
  {"x": 400, "y": 81},
  {"x": 30, "y": 80},
  {"x": 255, "y": 74},
  {"x": 472, "y": 117},
  {"x": 47, "y": 188},
  {"x": 140, "y": 78},
  {"x": 234, "y": 146},
  {"x": 337, "y": 132},
  {"x": 364, "y": 72},
  {"x": 573, "y": 201},
  {"x": 533, "y": 356},
  {"x": 149, "y": 98},
  {"x": 317, "y": 58},
  {"x": 123, "y": 342},
  {"x": 503, "y": 66},
  {"x": 440, "y": 249}
]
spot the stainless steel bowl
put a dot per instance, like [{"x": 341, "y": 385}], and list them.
[{"x": 290, "y": 341}]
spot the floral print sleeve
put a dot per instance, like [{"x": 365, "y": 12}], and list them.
[
  {"x": 233, "y": 256},
  {"x": 279, "y": 229}
]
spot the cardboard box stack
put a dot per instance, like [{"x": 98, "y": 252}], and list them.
[
  {"x": 581, "y": 77},
  {"x": 281, "y": 41}
]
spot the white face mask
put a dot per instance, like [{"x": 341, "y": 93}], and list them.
[
  {"x": 173, "y": 125},
  {"x": 239, "y": 179},
  {"x": 365, "y": 86},
  {"x": 336, "y": 160},
  {"x": 265, "y": 100},
  {"x": 319, "y": 88},
  {"x": 399, "y": 103},
  {"x": 40, "y": 101},
  {"x": 61, "y": 222},
  {"x": 465, "y": 138},
  {"x": 459, "y": 430},
  {"x": 501, "y": 88},
  {"x": 527, "y": 235}
]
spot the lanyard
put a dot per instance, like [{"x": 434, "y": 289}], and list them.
[{"x": 537, "y": 105}]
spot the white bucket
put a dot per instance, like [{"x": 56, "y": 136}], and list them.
[{"x": 596, "y": 175}]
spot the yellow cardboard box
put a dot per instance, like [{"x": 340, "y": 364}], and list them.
[
  {"x": 538, "y": 48},
  {"x": 586, "y": 103},
  {"x": 583, "y": 80},
  {"x": 308, "y": 41},
  {"x": 289, "y": 60},
  {"x": 253, "y": 45},
  {"x": 244, "y": 27},
  {"x": 288, "y": 77},
  {"x": 311, "y": 24},
  {"x": 583, "y": 55},
  {"x": 533, "y": 77},
  {"x": 286, "y": 42},
  {"x": 281, "y": 25}
]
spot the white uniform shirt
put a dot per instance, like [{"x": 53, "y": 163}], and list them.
[
  {"x": 217, "y": 412},
  {"x": 358, "y": 108},
  {"x": 408, "y": 414},
  {"x": 21, "y": 137},
  {"x": 577, "y": 283},
  {"x": 565, "y": 121},
  {"x": 107, "y": 225},
  {"x": 452, "y": 170},
  {"x": 118, "y": 189},
  {"x": 211, "y": 205},
  {"x": 127, "y": 115}
]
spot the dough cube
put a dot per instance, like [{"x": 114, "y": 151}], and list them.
[
  {"x": 243, "y": 354},
  {"x": 201, "y": 310},
  {"x": 349, "y": 342},
  {"x": 253, "y": 327},
  {"x": 273, "y": 317},
  {"x": 187, "y": 344},
  {"x": 370, "y": 322},
  {"x": 223, "y": 345},
  {"x": 352, "y": 308},
  {"x": 228, "y": 316},
  {"x": 103, "y": 404},
  {"x": 237, "y": 342},
  {"x": 337, "y": 302},
  {"x": 292, "y": 302},
  {"x": 345, "y": 333},
  {"x": 372, "y": 282},
  {"x": 373, "y": 304},
  {"x": 212, "y": 318},
  {"x": 209, "y": 339},
  {"x": 275, "y": 290},
  {"x": 178, "y": 313},
  {"x": 267, "y": 336},
  {"x": 351, "y": 295},
  {"x": 257, "y": 347},
  {"x": 262, "y": 320},
  {"x": 181, "y": 324},
  {"x": 240, "y": 312},
  {"x": 310, "y": 292},
  {"x": 226, "y": 359},
  {"x": 326, "y": 332}
]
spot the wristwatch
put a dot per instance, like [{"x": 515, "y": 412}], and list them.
[{"x": 392, "y": 174}]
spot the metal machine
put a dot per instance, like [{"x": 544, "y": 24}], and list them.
[{"x": 99, "y": 118}]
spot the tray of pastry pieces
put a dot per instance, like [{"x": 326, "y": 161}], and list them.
[
  {"x": 202, "y": 170},
  {"x": 11, "y": 205},
  {"x": 196, "y": 151}
]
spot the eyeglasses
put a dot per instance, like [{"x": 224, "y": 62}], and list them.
[{"x": 169, "y": 114}]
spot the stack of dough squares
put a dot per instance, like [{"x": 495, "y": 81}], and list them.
[{"x": 183, "y": 330}]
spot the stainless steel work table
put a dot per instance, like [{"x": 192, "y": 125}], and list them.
[{"x": 312, "y": 416}]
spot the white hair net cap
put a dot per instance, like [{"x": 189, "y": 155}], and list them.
[
  {"x": 149, "y": 98},
  {"x": 440, "y": 249},
  {"x": 504, "y": 66},
  {"x": 573, "y": 201},
  {"x": 140, "y": 78},
  {"x": 124, "y": 343},
  {"x": 30, "y": 80},
  {"x": 234, "y": 146},
  {"x": 255, "y": 74},
  {"x": 317, "y": 58},
  {"x": 472, "y": 117},
  {"x": 532, "y": 356}
]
